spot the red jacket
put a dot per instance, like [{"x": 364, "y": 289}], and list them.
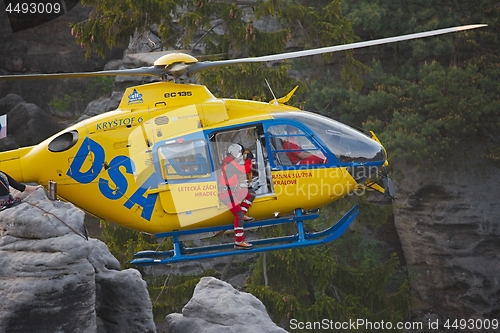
[{"x": 232, "y": 173}]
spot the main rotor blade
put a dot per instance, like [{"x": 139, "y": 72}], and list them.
[
  {"x": 159, "y": 71},
  {"x": 290, "y": 55},
  {"x": 143, "y": 71}
]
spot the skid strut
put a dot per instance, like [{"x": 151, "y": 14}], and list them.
[{"x": 300, "y": 239}]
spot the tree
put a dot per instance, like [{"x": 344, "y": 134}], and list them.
[
  {"x": 224, "y": 29},
  {"x": 123, "y": 242},
  {"x": 426, "y": 98}
]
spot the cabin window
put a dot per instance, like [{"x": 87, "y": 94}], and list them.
[
  {"x": 184, "y": 159},
  {"x": 244, "y": 136},
  {"x": 64, "y": 142},
  {"x": 292, "y": 146}
]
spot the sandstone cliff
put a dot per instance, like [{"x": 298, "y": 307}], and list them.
[
  {"x": 448, "y": 223},
  {"x": 54, "y": 279}
]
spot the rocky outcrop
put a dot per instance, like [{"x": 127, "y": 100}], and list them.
[
  {"x": 216, "y": 307},
  {"x": 27, "y": 124},
  {"x": 54, "y": 279},
  {"x": 448, "y": 223}
]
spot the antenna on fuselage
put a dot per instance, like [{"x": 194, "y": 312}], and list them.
[{"x": 269, "y": 86}]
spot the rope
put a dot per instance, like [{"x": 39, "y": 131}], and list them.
[
  {"x": 49, "y": 213},
  {"x": 162, "y": 288}
]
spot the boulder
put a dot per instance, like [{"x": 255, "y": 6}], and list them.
[
  {"x": 55, "y": 279},
  {"x": 27, "y": 124},
  {"x": 216, "y": 307},
  {"x": 101, "y": 105}
]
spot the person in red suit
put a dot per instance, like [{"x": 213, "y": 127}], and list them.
[
  {"x": 296, "y": 154},
  {"x": 235, "y": 190}
]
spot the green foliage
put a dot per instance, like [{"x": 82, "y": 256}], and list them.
[
  {"x": 435, "y": 116},
  {"x": 96, "y": 87},
  {"x": 319, "y": 24},
  {"x": 248, "y": 81},
  {"x": 99, "y": 86},
  {"x": 429, "y": 97},
  {"x": 225, "y": 29},
  {"x": 348, "y": 279},
  {"x": 112, "y": 22},
  {"x": 421, "y": 120},
  {"x": 329, "y": 290},
  {"x": 68, "y": 102},
  {"x": 123, "y": 243},
  {"x": 370, "y": 213}
]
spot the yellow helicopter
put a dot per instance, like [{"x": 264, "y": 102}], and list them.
[{"x": 153, "y": 164}]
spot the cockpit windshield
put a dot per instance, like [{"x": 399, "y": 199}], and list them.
[{"x": 347, "y": 144}]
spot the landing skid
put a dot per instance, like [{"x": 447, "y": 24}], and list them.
[{"x": 301, "y": 239}]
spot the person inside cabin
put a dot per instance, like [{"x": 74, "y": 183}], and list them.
[
  {"x": 235, "y": 190},
  {"x": 294, "y": 151},
  {"x": 7, "y": 200}
]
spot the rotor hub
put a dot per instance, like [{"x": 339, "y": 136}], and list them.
[{"x": 173, "y": 58}]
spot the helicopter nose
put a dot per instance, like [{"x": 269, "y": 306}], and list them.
[
  {"x": 354, "y": 148},
  {"x": 363, "y": 155}
]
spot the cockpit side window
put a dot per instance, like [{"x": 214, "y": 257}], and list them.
[
  {"x": 347, "y": 144},
  {"x": 184, "y": 159},
  {"x": 292, "y": 146}
]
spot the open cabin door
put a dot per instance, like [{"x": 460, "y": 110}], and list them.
[{"x": 252, "y": 139}]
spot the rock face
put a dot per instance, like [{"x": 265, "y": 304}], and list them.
[
  {"x": 47, "y": 48},
  {"x": 54, "y": 279},
  {"x": 216, "y": 307},
  {"x": 448, "y": 223},
  {"x": 27, "y": 124}
]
